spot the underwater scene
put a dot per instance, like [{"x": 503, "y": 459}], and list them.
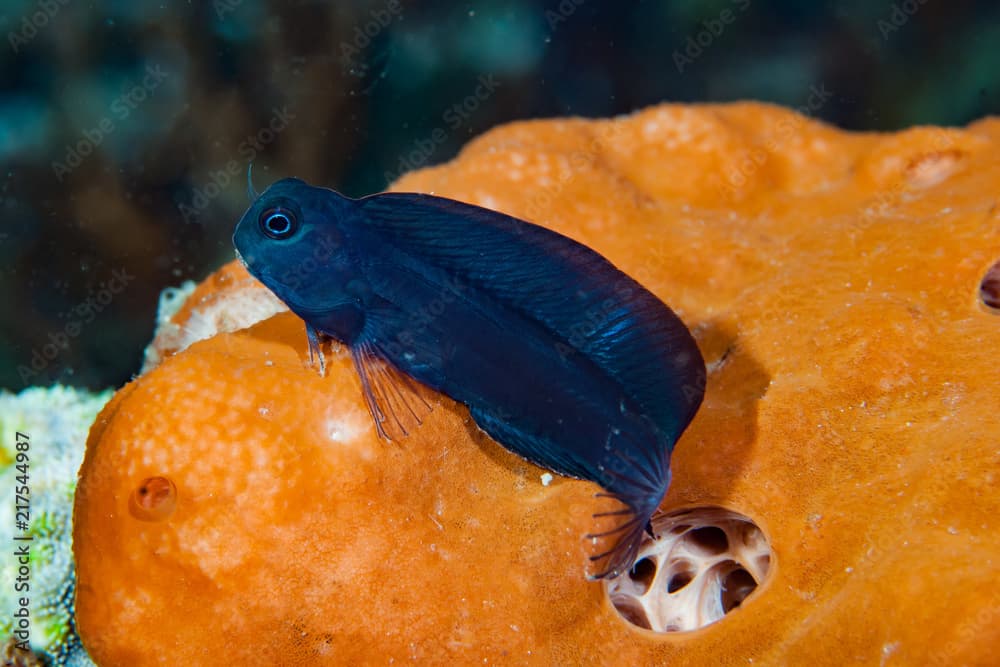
[{"x": 523, "y": 332}]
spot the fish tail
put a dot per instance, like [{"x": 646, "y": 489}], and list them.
[
  {"x": 621, "y": 534},
  {"x": 636, "y": 479}
]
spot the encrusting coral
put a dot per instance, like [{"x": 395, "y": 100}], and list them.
[
  {"x": 38, "y": 489},
  {"x": 235, "y": 507}
]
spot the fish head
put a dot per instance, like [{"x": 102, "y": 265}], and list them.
[{"x": 292, "y": 239}]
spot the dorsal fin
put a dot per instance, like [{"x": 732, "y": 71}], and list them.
[{"x": 611, "y": 319}]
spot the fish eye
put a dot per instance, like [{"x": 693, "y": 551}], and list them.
[{"x": 278, "y": 222}]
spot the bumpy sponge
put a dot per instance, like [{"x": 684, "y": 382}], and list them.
[{"x": 237, "y": 508}]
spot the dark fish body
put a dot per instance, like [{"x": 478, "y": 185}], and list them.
[{"x": 560, "y": 357}]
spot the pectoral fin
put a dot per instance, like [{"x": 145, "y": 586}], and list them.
[{"x": 397, "y": 402}]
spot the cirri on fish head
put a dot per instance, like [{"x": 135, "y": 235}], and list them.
[{"x": 559, "y": 356}]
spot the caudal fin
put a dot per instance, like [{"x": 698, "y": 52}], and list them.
[{"x": 619, "y": 536}]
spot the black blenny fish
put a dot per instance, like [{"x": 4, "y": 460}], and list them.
[{"x": 560, "y": 357}]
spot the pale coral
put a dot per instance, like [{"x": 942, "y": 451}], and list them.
[{"x": 832, "y": 281}]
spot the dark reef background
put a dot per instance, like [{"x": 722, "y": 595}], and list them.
[{"x": 126, "y": 126}]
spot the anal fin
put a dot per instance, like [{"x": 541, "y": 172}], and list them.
[
  {"x": 621, "y": 520},
  {"x": 539, "y": 451}
]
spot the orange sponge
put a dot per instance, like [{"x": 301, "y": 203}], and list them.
[{"x": 235, "y": 507}]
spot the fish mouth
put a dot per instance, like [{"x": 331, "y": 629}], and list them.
[
  {"x": 260, "y": 274},
  {"x": 240, "y": 257}
]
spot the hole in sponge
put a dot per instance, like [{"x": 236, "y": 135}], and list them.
[
  {"x": 643, "y": 572},
  {"x": 989, "y": 289},
  {"x": 710, "y": 539},
  {"x": 736, "y": 586},
  {"x": 153, "y": 500},
  {"x": 705, "y": 563},
  {"x": 632, "y": 612},
  {"x": 678, "y": 581}
]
